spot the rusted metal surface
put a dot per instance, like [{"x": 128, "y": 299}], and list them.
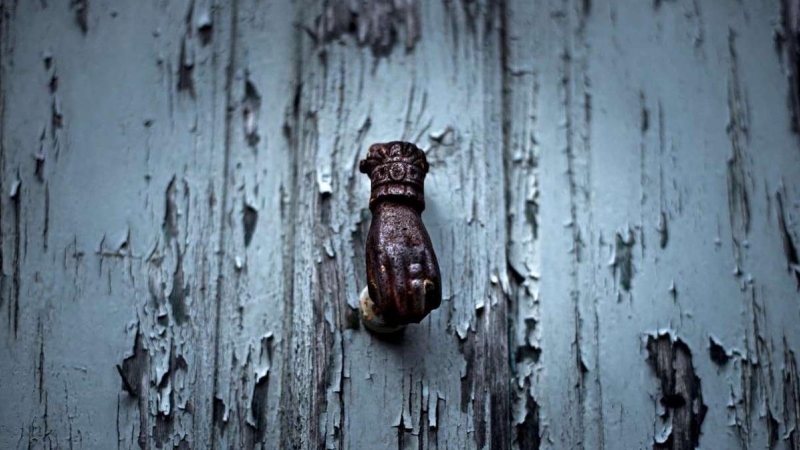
[{"x": 403, "y": 276}]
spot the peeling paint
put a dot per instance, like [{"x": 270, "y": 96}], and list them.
[
  {"x": 170, "y": 224},
  {"x": 789, "y": 248},
  {"x": 527, "y": 111},
  {"x": 56, "y": 117},
  {"x": 180, "y": 291},
  {"x": 528, "y": 430},
  {"x": 259, "y": 406},
  {"x": 680, "y": 396},
  {"x": 663, "y": 230},
  {"x": 738, "y": 132},
  {"x": 791, "y": 399},
  {"x": 133, "y": 373},
  {"x": 81, "y": 10},
  {"x": 376, "y": 24},
  {"x": 717, "y": 352},
  {"x": 251, "y": 106},
  {"x": 186, "y": 68},
  {"x": 249, "y": 221},
  {"x": 787, "y": 44},
  {"x": 40, "y": 158},
  {"x": 205, "y": 27},
  {"x": 46, "y": 225},
  {"x": 621, "y": 261},
  {"x": 16, "y": 260}
]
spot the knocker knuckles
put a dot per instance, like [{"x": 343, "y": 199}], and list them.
[{"x": 404, "y": 287}]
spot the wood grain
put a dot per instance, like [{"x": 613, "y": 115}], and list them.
[{"x": 614, "y": 200}]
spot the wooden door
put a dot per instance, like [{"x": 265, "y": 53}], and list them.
[{"x": 614, "y": 198}]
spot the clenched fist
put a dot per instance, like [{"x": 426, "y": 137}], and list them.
[{"x": 403, "y": 277}]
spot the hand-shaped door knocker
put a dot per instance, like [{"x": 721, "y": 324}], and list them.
[{"x": 403, "y": 281}]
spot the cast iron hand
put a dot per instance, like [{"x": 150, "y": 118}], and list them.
[{"x": 403, "y": 277}]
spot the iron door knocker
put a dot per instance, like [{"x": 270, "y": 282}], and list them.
[{"x": 403, "y": 279}]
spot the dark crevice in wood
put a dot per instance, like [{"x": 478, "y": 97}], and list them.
[
  {"x": 325, "y": 294},
  {"x": 467, "y": 380},
  {"x": 16, "y": 262},
  {"x": 40, "y": 372},
  {"x": 251, "y": 109},
  {"x": 528, "y": 431},
  {"x": 56, "y": 116},
  {"x": 789, "y": 247},
  {"x": 622, "y": 264},
  {"x": 739, "y": 134},
  {"x": 218, "y": 423},
  {"x": 525, "y": 434},
  {"x": 46, "y": 225},
  {"x": 681, "y": 393},
  {"x": 577, "y": 243},
  {"x": 185, "y": 69},
  {"x": 81, "y": 10},
  {"x": 787, "y": 44},
  {"x": 133, "y": 373},
  {"x": 180, "y": 290},
  {"x": 289, "y": 437},
  {"x": 5, "y": 16},
  {"x": 256, "y": 432},
  {"x": 791, "y": 398},
  {"x": 186, "y": 57},
  {"x": 376, "y": 24},
  {"x": 164, "y": 426},
  {"x": 170, "y": 223},
  {"x": 249, "y": 221},
  {"x": 259, "y": 406},
  {"x": 717, "y": 352},
  {"x": 205, "y": 28}
]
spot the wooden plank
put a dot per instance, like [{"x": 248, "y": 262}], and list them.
[
  {"x": 445, "y": 385},
  {"x": 527, "y": 46},
  {"x": 111, "y": 180},
  {"x": 256, "y": 272},
  {"x": 613, "y": 199},
  {"x": 665, "y": 295}
]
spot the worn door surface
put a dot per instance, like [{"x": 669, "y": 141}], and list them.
[{"x": 614, "y": 198}]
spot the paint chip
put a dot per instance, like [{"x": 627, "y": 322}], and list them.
[
  {"x": 14, "y": 189},
  {"x": 249, "y": 221},
  {"x": 717, "y": 352}
]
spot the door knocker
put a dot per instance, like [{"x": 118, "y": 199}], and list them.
[{"x": 403, "y": 280}]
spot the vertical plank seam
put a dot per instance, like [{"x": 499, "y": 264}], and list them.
[
  {"x": 286, "y": 396},
  {"x": 14, "y": 191},
  {"x": 505, "y": 139},
  {"x": 229, "y": 75},
  {"x": 567, "y": 79},
  {"x": 3, "y": 25}
]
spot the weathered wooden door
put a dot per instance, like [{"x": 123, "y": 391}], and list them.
[{"x": 614, "y": 198}]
